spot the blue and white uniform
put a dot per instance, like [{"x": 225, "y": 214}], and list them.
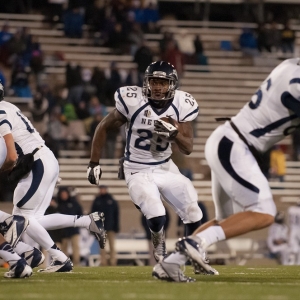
[
  {"x": 237, "y": 181},
  {"x": 149, "y": 171},
  {"x": 33, "y": 193}
]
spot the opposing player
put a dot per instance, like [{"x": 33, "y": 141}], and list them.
[
  {"x": 33, "y": 192},
  {"x": 16, "y": 225},
  {"x": 241, "y": 193},
  {"x": 155, "y": 116}
]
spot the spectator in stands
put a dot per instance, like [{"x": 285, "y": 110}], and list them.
[
  {"x": 117, "y": 40},
  {"x": 296, "y": 144},
  {"x": 152, "y": 261},
  {"x": 186, "y": 45},
  {"x": 5, "y": 37},
  {"x": 135, "y": 38},
  {"x": 73, "y": 20},
  {"x": 2, "y": 77},
  {"x": 100, "y": 82},
  {"x": 143, "y": 57},
  {"x": 69, "y": 205},
  {"x": 294, "y": 236},
  {"x": 263, "y": 38},
  {"x": 151, "y": 17},
  {"x": 73, "y": 75},
  {"x": 163, "y": 43},
  {"x": 174, "y": 56},
  {"x": 113, "y": 83},
  {"x": 277, "y": 240},
  {"x": 20, "y": 80},
  {"x": 277, "y": 163},
  {"x": 274, "y": 36},
  {"x": 248, "y": 42},
  {"x": 16, "y": 47},
  {"x": 38, "y": 107},
  {"x": 51, "y": 144},
  {"x": 106, "y": 203},
  {"x": 288, "y": 37},
  {"x": 200, "y": 58}
]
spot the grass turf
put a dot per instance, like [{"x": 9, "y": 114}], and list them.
[{"x": 233, "y": 283}]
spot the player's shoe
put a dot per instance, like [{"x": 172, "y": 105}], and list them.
[
  {"x": 19, "y": 270},
  {"x": 170, "y": 272},
  {"x": 33, "y": 257},
  {"x": 191, "y": 247},
  {"x": 58, "y": 266},
  {"x": 12, "y": 229},
  {"x": 159, "y": 243},
  {"x": 97, "y": 227}
]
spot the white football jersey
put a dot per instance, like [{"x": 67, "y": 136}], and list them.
[
  {"x": 265, "y": 120},
  {"x": 143, "y": 145},
  {"x": 13, "y": 121}
]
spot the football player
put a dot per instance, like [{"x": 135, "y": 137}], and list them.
[
  {"x": 155, "y": 115},
  {"x": 294, "y": 237},
  {"x": 16, "y": 225},
  {"x": 33, "y": 192},
  {"x": 241, "y": 193}
]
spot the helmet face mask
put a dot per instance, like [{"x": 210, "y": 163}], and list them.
[{"x": 160, "y": 83}]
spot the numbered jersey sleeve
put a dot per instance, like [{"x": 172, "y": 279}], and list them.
[
  {"x": 187, "y": 106},
  {"x": 127, "y": 100}
]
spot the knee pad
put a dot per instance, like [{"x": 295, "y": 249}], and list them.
[
  {"x": 191, "y": 213},
  {"x": 157, "y": 223}
]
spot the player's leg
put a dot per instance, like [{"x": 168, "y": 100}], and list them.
[
  {"x": 18, "y": 268},
  {"x": 146, "y": 197},
  {"x": 31, "y": 198}
]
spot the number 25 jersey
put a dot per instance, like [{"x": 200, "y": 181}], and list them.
[
  {"x": 265, "y": 120},
  {"x": 143, "y": 145}
]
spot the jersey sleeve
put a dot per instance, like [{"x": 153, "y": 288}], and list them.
[
  {"x": 5, "y": 125},
  {"x": 189, "y": 108},
  {"x": 127, "y": 99},
  {"x": 291, "y": 99}
]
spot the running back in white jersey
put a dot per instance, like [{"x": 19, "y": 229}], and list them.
[
  {"x": 294, "y": 217},
  {"x": 143, "y": 145},
  {"x": 265, "y": 120},
  {"x": 12, "y": 121}
]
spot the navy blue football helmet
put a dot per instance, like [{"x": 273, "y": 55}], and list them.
[
  {"x": 160, "y": 70},
  {"x": 1, "y": 92}
]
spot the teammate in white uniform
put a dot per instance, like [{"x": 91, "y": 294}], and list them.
[
  {"x": 149, "y": 171},
  {"x": 18, "y": 267},
  {"x": 33, "y": 193},
  {"x": 294, "y": 237},
  {"x": 241, "y": 193}
]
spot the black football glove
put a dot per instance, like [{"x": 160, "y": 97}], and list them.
[
  {"x": 94, "y": 173},
  {"x": 22, "y": 168},
  {"x": 165, "y": 130}
]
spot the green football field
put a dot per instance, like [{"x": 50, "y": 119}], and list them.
[{"x": 234, "y": 282}]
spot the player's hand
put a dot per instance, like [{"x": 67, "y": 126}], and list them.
[
  {"x": 94, "y": 173},
  {"x": 165, "y": 129}
]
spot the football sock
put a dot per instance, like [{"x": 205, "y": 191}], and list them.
[
  {"x": 40, "y": 235},
  {"x": 8, "y": 254},
  {"x": 211, "y": 235},
  {"x": 191, "y": 227},
  {"x": 176, "y": 258},
  {"x": 3, "y": 216},
  {"x": 58, "y": 221}
]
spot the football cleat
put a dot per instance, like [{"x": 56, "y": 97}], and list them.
[
  {"x": 33, "y": 257},
  {"x": 159, "y": 243},
  {"x": 97, "y": 227},
  {"x": 13, "y": 227},
  {"x": 58, "y": 266},
  {"x": 19, "y": 270},
  {"x": 191, "y": 247},
  {"x": 170, "y": 272}
]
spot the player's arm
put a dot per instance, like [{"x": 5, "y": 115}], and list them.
[
  {"x": 113, "y": 120},
  {"x": 184, "y": 138},
  {"x": 12, "y": 155}
]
